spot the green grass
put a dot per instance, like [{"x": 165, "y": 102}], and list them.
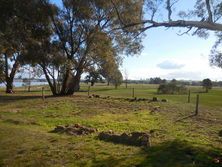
[{"x": 26, "y": 122}]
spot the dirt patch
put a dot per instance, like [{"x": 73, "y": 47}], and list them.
[
  {"x": 154, "y": 109},
  {"x": 133, "y": 139},
  {"x": 76, "y": 129}
]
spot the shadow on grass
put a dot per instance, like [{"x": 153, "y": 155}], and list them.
[
  {"x": 186, "y": 117},
  {"x": 181, "y": 154},
  {"x": 170, "y": 154},
  {"x": 13, "y": 97},
  {"x": 103, "y": 90}
]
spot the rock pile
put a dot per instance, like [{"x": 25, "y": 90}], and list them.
[
  {"x": 76, "y": 129},
  {"x": 134, "y": 138}
]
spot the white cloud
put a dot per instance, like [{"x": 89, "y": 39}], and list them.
[
  {"x": 169, "y": 65},
  {"x": 192, "y": 67}
]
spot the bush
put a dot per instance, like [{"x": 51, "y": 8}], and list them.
[{"x": 172, "y": 88}]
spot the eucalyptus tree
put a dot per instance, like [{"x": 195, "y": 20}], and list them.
[
  {"x": 19, "y": 19},
  {"x": 87, "y": 32}
]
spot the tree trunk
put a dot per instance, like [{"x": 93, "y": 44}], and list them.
[
  {"x": 9, "y": 78},
  {"x": 29, "y": 87},
  {"x": 9, "y": 85},
  {"x": 52, "y": 86},
  {"x": 72, "y": 83},
  {"x": 126, "y": 82}
]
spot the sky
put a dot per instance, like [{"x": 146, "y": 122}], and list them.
[{"x": 170, "y": 56}]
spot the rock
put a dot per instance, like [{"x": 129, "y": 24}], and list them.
[
  {"x": 110, "y": 132},
  {"x": 96, "y": 96},
  {"x": 164, "y": 100},
  {"x": 59, "y": 129},
  {"x": 155, "y": 99},
  {"x": 77, "y": 125},
  {"x": 220, "y": 133}
]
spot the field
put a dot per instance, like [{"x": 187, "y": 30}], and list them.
[{"x": 182, "y": 140}]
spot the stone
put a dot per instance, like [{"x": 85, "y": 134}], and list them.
[
  {"x": 164, "y": 100},
  {"x": 96, "y": 96},
  {"x": 155, "y": 99}
]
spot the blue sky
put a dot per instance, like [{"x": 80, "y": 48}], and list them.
[{"x": 169, "y": 56}]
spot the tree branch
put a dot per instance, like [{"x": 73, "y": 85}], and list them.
[
  {"x": 169, "y": 10},
  {"x": 178, "y": 23},
  {"x": 186, "y": 32},
  {"x": 210, "y": 15}
]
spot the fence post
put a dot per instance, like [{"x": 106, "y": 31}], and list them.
[
  {"x": 188, "y": 97},
  {"x": 133, "y": 95},
  {"x": 43, "y": 93},
  {"x": 197, "y": 105},
  {"x": 88, "y": 90}
]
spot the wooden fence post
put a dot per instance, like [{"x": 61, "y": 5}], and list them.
[
  {"x": 43, "y": 93},
  {"x": 188, "y": 97},
  {"x": 133, "y": 93},
  {"x": 88, "y": 90},
  {"x": 197, "y": 105}
]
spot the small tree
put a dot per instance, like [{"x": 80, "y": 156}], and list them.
[
  {"x": 93, "y": 77},
  {"x": 207, "y": 84},
  {"x": 171, "y": 88},
  {"x": 117, "y": 78},
  {"x": 126, "y": 77}
]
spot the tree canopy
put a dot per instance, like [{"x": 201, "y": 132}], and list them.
[
  {"x": 86, "y": 34},
  {"x": 21, "y": 22},
  {"x": 207, "y": 84},
  {"x": 66, "y": 41}
]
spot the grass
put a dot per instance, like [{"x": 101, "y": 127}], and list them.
[{"x": 26, "y": 122}]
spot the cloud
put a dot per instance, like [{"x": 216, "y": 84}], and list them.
[
  {"x": 168, "y": 65},
  {"x": 186, "y": 75}
]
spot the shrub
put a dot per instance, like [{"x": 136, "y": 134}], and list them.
[{"x": 171, "y": 88}]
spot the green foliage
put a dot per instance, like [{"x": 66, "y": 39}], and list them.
[
  {"x": 171, "y": 88},
  {"x": 116, "y": 78},
  {"x": 92, "y": 41},
  {"x": 93, "y": 77},
  {"x": 156, "y": 80},
  {"x": 207, "y": 84}
]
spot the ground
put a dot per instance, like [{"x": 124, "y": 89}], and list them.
[{"x": 181, "y": 140}]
